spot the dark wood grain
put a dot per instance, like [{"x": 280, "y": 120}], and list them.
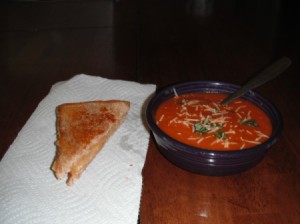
[{"x": 163, "y": 42}]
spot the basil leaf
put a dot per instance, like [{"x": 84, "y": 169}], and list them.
[
  {"x": 250, "y": 122},
  {"x": 200, "y": 128},
  {"x": 220, "y": 135}
]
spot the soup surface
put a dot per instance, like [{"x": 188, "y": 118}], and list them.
[{"x": 199, "y": 120}]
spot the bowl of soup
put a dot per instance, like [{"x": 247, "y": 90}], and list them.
[{"x": 198, "y": 134}]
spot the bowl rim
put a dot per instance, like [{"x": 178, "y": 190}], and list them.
[{"x": 211, "y": 153}]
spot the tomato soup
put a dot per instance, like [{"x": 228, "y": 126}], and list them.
[{"x": 199, "y": 120}]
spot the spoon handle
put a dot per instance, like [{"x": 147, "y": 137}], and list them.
[{"x": 262, "y": 77}]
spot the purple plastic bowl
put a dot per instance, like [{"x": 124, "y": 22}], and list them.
[{"x": 211, "y": 162}]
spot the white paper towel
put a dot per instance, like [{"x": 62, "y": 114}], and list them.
[{"x": 108, "y": 191}]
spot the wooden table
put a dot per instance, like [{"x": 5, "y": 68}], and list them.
[{"x": 164, "y": 42}]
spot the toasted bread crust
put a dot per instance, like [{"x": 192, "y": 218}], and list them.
[{"x": 82, "y": 130}]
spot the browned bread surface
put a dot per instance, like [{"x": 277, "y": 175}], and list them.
[{"x": 82, "y": 130}]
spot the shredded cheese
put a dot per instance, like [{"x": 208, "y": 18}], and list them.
[
  {"x": 240, "y": 107},
  {"x": 243, "y": 146},
  {"x": 224, "y": 124},
  {"x": 200, "y": 140},
  {"x": 249, "y": 115},
  {"x": 173, "y": 120},
  {"x": 249, "y": 141},
  {"x": 249, "y": 132},
  {"x": 230, "y": 132},
  {"x": 161, "y": 118},
  {"x": 260, "y": 134},
  {"x": 240, "y": 116}
]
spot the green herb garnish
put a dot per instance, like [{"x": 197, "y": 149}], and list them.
[
  {"x": 200, "y": 128},
  {"x": 220, "y": 135},
  {"x": 250, "y": 122}
]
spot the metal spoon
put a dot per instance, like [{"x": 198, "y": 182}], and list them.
[{"x": 262, "y": 77}]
